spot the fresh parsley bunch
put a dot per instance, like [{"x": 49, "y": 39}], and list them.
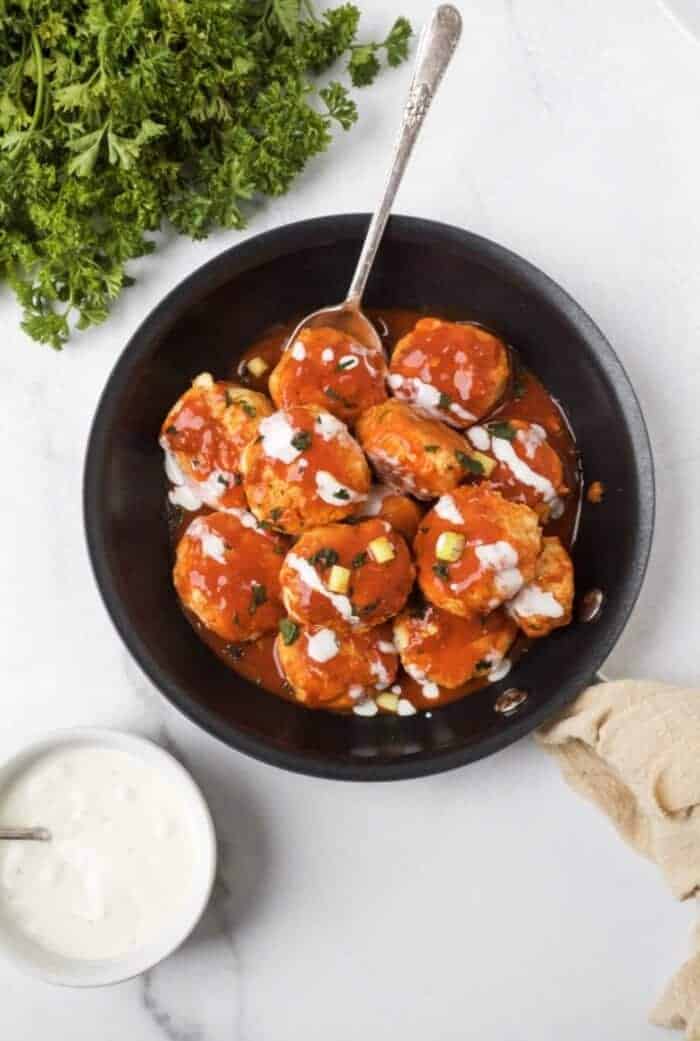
[{"x": 118, "y": 115}]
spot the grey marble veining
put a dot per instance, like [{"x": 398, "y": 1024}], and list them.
[{"x": 484, "y": 903}]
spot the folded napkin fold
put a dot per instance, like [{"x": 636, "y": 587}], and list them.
[{"x": 633, "y": 748}]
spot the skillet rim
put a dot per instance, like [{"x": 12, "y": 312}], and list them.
[{"x": 260, "y": 249}]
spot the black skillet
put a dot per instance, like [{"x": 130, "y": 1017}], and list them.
[{"x": 205, "y": 323}]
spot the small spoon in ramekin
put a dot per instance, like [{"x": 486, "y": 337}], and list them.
[
  {"x": 30, "y": 834},
  {"x": 435, "y": 48}
]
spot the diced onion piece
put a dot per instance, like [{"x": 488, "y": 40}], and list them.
[
  {"x": 485, "y": 461},
  {"x": 381, "y": 550},
  {"x": 339, "y": 579},
  {"x": 257, "y": 366},
  {"x": 389, "y": 702},
  {"x": 450, "y": 546},
  {"x": 205, "y": 381}
]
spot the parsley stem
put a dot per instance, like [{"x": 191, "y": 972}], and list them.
[{"x": 38, "y": 97}]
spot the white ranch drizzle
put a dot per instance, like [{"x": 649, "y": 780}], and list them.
[
  {"x": 430, "y": 690},
  {"x": 277, "y": 432},
  {"x": 463, "y": 413},
  {"x": 327, "y": 355},
  {"x": 405, "y": 707},
  {"x": 446, "y": 508},
  {"x": 329, "y": 426},
  {"x": 479, "y": 437},
  {"x": 506, "y": 454},
  {"x": 531, "y": 437},
  {"x": 298, "y": 351},
  {"x": 189, "y": 493},
  {"x": 329, "y": 487},
  {"x": 463, "y": 380},
  {"x": 502, "y": 558},
  {"x": 533, "y": 600},
  {"x": 311, "y": 578},
  {"x": 212, "y": 544},
  {"x": 322, "y": 646}
]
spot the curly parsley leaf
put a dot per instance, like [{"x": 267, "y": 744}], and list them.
[
  {"x": 397, "y": 41},
  {"x": 340, "y": 105}
]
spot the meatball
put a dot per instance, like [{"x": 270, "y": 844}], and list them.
[
  {"x": 411, "y": 451},
  {"x": 347, "y": 576},
  {"x": 227, "y": 574},
  {"x": 329, "y": 669},
  {"x": 203, "y": 436},
  {"x": 456, "y": 371},
  {"x": 475, "y": 550},
  {"x": 518, "y": 460},
  {"x": 327, "y": 368},
  {"x": 304, "y": 469},
  {"x": 437, "y": 647},
  {"x": 545, "y": 603},
  {"x": 404, "y": 514}
]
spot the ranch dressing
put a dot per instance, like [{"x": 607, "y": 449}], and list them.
[{"x": 120, "y": 862}]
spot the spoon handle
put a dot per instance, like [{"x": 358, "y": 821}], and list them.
[
  {"x": 435, "y": 48},
  {"x": 34, "y": 834}
]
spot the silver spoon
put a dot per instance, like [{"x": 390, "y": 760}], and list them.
[
  {"x": 32, "y": 834},
  {"x": 435, "y": 48}
]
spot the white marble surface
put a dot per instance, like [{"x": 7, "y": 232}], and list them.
[{"x": 489, "y": 902}]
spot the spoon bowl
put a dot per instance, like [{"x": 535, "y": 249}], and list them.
[{"x": 346, "y": 318}]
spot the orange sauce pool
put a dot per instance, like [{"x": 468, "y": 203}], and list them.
[{"x": 526, "y": 399}]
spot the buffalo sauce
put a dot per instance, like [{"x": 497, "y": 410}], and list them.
[{"x": 526, "y": 399}]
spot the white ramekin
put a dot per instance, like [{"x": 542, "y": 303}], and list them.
[{"x": 21, "y": 951}]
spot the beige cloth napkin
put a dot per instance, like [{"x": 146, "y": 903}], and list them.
[{"x": 633, "y": 748}]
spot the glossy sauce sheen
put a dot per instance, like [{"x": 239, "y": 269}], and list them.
[
  {"x": 206, "y": 431},
  {"x": 526, "y": 399},
  {"x": 328, "y": 470}
]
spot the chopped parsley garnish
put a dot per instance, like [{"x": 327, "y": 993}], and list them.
[
  {"x": 234, "y": 650},
  {"x": 276, "y": 513},
  {"x": 518, "y": 385},
  {"x": 337, "y": 397},
  {"x": 445, "y": 400},
  {"x": 466, "y": 461},
  {"x": 249, "y": 409},
  {"x": 171, "y": 430},
  {"x": 431, "y": 448},
  {"x": 502, "y": 429},
  {"x": 289, "y": 631},
  {"x": 326, "y": 557},
  {"x": 342, "y": 493},
  {"x": 482, "y": 665},
  {"x": 359, "y": 560},
  {"x": 258, "y": 597},
  {"x": 301, "y": 440},
  {"x": 441, "y": 570},
  {"x": 346, "y": 363},
  {"x": 222, "y": 480}
]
